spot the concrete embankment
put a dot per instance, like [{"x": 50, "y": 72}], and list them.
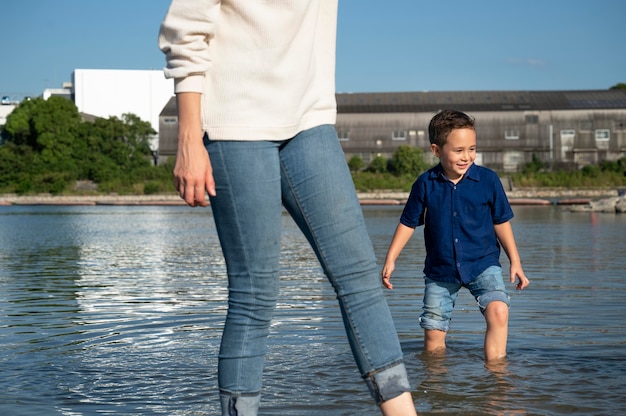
[
  {"x": 11, "y": 199},
  {"x": 528, "y": 196}
]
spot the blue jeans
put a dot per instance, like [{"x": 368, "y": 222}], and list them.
[
  {"x": 307, "y": 175},
  {"x": 439, "y": 297}
]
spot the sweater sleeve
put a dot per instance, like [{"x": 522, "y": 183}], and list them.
[{"x": 184, "y": 38}]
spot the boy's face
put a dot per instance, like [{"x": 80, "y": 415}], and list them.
[{"x": 458, "y": 154}]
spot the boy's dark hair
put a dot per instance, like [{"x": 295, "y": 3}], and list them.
[{"x": 444, "y": 122}]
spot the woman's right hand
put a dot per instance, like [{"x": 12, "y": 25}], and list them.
[{"x": 193, "y": 174}]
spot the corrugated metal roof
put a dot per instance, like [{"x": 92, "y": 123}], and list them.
[
  {"x": 170, "y": 109},
  {"x": 470, "y": 101}
]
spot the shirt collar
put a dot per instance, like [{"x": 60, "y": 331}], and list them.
[{"x": 472, "y": 173}]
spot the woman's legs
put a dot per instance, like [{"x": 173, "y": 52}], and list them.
[
  {"x": 319, "y": 194},
  {"x": 247, "y": 211}
]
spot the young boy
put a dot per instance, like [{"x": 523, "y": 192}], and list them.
[{"x": 466, "y": 216}]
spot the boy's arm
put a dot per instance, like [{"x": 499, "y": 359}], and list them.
[
  {"x": 504, "y": 232},
  {"x": 400, "y": 238}
]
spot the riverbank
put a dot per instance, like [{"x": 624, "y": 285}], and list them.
[
  {"x": 521, "y": 196},
  {"x": 518, "y": 196}
]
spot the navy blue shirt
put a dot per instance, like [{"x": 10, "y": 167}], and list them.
[{"x": 459, "y": 221}]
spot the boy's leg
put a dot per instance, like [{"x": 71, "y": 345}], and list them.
[
  {"x": 497, "y": 319},
  {"x": 489, "y": 291},
  {"x": 439, "y": 299},
  {"x": 434, "y": 340}
]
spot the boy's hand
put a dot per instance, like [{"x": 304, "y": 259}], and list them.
[
  {"x": 522, "y": 279},
  {"x": 386, "y": 275}
]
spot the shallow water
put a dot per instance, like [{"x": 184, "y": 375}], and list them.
[{"x": 119, "y": 310}]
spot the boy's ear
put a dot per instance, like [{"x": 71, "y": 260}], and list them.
[{"x": 435, "y": 149}]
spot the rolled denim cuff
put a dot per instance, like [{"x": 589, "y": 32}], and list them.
[
  {"x": 239, "y": 404},
  {"x": 388, "y": 383}
]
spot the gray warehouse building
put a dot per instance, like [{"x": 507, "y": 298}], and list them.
[{"x": 567, "y": 129}]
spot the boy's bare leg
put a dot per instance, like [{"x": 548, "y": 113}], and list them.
[
  {"x": 399, "y": 406},
  {"x": 434, "y": 340},
  {"x": 497, "y": 319}
]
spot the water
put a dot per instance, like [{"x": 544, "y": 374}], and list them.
[{"x": 119, "y": 310}]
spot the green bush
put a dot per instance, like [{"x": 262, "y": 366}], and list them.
[
  {"x": 152, "y": 188},
  {"x": 378, "y": 165},
  {"x": 408, "y": 160},
  {"x": 52, "y": 182},
  {"x": 368, "y": 181},
  {"x": 356, "y": 164}
]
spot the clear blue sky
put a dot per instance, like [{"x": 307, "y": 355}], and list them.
[{"x": 392, "y": 45}]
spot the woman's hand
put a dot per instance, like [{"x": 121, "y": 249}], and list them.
[{"x": 193, "y": 174}]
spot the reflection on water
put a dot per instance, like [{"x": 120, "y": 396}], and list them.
[{"x": 119, "y": 310}]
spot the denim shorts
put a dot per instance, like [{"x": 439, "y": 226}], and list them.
[{"x": 439, "y": 297}]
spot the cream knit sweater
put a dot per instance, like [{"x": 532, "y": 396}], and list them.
[{"x": 266, "y": 68}]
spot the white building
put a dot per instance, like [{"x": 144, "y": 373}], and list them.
[
  {"x": 5, "y": 110},
  {"x": 112, "y": 92}
]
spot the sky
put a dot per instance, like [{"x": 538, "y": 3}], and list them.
[{"x": 382, "y": 46}]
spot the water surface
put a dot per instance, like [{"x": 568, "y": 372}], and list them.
[{"x": 119, "y": 310}]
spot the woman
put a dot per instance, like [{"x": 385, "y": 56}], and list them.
[{"x": 256, "y": 104}]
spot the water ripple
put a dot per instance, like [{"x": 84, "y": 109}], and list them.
[{"x": 119, "y": 310}]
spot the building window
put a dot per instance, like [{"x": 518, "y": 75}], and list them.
[
  {"x": 586, "y": 125},
  {"x": 568, "y": 134},
  {"x": 603, "y": 135},
  {"x": 398, "y": 135},
  {"x": 532, "y": 119},
  {"x": 344, "y": 135},
  {"x": 170, "y": 120},
  {"x": 511, "y": 161},
  {"x": 619, "y": 125},
  {"x": 512, "y": 134}
]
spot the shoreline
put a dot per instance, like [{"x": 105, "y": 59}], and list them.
[{"x": 522, "y": 196}]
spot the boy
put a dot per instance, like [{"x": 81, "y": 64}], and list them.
[{"x": 466, "y": 215}]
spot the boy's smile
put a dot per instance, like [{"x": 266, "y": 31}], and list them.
[{"x": 458, "y": 154}]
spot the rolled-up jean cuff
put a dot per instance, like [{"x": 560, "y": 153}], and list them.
[
  {"x": 388, "y": 383},
  {"x": 239, "y": 404}
]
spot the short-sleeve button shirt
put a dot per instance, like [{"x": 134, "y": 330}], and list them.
[{"x": 458, "y": 221}]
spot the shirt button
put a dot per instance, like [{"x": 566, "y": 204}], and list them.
[
  {"x": 458, "y": 265},
  {"x": 456, "y": 240},
  {"x": 454, "y": 214}
]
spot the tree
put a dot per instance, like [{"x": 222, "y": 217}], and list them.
[
  {"x": 378, "y": 165},
  {"x": 47, "y": 147},
  {"x": 619, "y": 86},
  {"x": 39, "y": 137},
  {"x": 356, "y": 163},
  {"x": 36, "y": 122},
  {"x": 408, "y": 160}
]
